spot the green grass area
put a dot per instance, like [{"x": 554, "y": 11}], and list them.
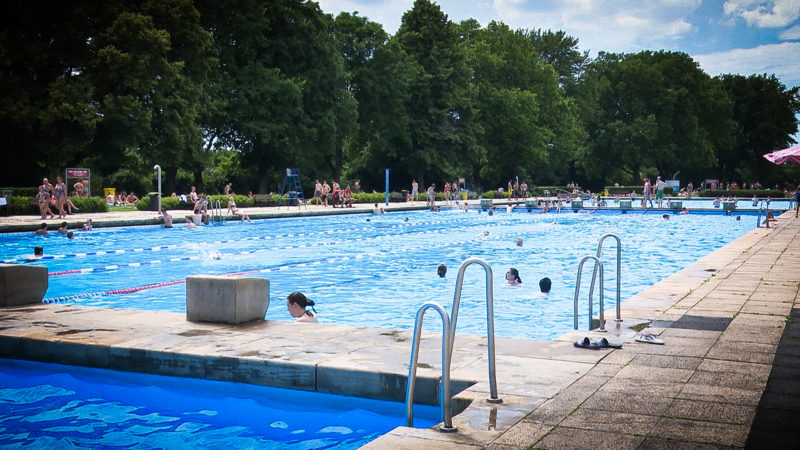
[{"x": 122, "y": 208}]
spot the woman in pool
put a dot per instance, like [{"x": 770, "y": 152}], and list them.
[
  {"x": 512, "y": 276},
  {"x": 297, "y": 303}
]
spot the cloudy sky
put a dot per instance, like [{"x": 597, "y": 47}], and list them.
[{"x": 725, "y": 36}]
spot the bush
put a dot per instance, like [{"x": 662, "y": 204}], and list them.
[
  {"x": 90, "y": 204},
  {"x": 377, "y": 197},
  {"x": 775, "y": 193},
  {"x": 24, "y": 205},
  {"x": 626, "y": 190}
]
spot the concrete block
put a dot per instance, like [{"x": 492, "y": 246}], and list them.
[
  {"x": 577, "y": 204},
  {"x": 728, "y": 206},
  {"x": 21, "y": 285},
  {"x": 676, "y": 204},
  {"x": 625, "y": 204},
  {"x": 226, "y": 299},
  {"x": 486, "y": 203}
]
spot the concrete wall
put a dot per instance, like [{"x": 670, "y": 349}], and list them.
[
  {"x": 21, "y": 285},
  {"x": 226, "y": 299}
]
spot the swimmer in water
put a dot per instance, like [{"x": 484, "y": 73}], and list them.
[
  {"x": 519, "y": 242},
  {"x": 512, "y": 276},
  {"x": 297, "y": 303},
  {"x": 441, "y": 270},
  {"x": 544, "y": 285}
]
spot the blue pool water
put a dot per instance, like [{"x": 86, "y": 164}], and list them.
[
  {"x": 54, "y": 406},
  {"x": 366, "y": 270}
]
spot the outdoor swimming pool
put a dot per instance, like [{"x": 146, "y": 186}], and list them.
[
  {"x": 54, "y": 406},
  {"x": 376, "y": 271}
]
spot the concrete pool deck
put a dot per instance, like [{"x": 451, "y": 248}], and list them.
[{"x": 728, "y": 373}]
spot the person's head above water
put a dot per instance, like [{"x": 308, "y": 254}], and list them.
[
  {"x": 519, "y": 242},
  {"x": 441, "y": 270},
  {"x": 544, "y": 285},
  {"x": 297, "y": 303},
  {"x": 512, "y": 276}
]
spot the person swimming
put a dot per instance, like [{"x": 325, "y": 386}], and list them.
[
  {"x": 519, "y": 242},
  {"x": 441, "y": 270},
  {"x": 512, "y": 276},
  {"x": 544, "y": 285},
  {"x": 297, "y": 303}
]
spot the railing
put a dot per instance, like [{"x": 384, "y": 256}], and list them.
[
  {"x": 578, "y": 288},
  {"x": 444, "y": 387},
  {"x": 448, "y": 338},
  {"x": 493, "y": 398},
  {"x": 619, "y": 270},
  {"x": 216, "y": 211},
  {"x": 763, "y": 206}
]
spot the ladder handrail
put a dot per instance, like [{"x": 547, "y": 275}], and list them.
[
  {"x": 444, "y": 389},
  {"x": 493, "y": 398},
  {"x": 763, "y": 205},
  {"x": 619, "y": 269},
  {"x": 578, "y": 288}
]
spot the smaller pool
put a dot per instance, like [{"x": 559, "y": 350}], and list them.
[{"x": 56, "y": 406}]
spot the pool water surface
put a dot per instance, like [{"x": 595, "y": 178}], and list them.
[
  {"x": 54, "y": 406},
  {"x": 377, "y": 270}
]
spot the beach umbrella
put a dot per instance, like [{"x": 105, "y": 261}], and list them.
[{"x": 791, "y": 154}]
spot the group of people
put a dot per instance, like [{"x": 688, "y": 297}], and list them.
[
  {"x": 49, "y": 196},
  {"x": 334, "y": 196},
  {"x": 62, "y": 229},
  {"x": 517, "y": 190},
  {"x": 121, "y": 199}
]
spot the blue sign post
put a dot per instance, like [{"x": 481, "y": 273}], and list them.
[{"x": 387, "y": 187}]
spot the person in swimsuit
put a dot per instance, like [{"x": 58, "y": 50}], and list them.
[
  {"x": 60, "y": 190},
  {"x": 297, "y": 303},
  {"x": 512, "y": 276},
  {"x": 43, "y": 200}
]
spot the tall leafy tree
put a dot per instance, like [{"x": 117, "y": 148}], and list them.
[
  {"x": 651, "y": 112},
  {"x": 439, "y": 108},
  {"x": 765, "y": 114},
  {"x": 525, "y": 118}
]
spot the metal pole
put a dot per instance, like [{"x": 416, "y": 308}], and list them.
[
  {"x": 387, "y": 187},
  {"x": 444, "y": 391},
  {"x": 159, "y": 186}
]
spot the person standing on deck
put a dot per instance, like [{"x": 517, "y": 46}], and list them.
[
  {"x": 660, "y": 190},
  {"x": 646, "y": 193}
]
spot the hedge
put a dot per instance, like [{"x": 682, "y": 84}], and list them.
[
  {"x": 741, "y": 193},
  {"x": 626, "y": 190},
  {"x": 24, "y": 206}
]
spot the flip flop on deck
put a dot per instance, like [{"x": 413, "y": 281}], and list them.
[
  {"x": 650, "y": 339},
  {"x": 586, "y": 343},
  {"x": 603, "y": 343}
]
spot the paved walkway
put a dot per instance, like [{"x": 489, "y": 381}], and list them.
[
  {"x": 705, "y": 387},
  {"x": 727, "y": 375}
]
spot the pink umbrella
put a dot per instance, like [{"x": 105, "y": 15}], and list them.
[{"x": 791, "y": 154}]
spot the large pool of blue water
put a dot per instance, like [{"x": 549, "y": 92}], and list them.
[
  {"x": 54, "y": 406},
  {"x": 377, "y": 270}
]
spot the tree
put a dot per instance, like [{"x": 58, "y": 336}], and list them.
[
  {"x": 651, "y": 112},
  {"x": 524, "y": 118},
  {"x": 765, "y": 114},
  {"x": 438, "y": 108}
]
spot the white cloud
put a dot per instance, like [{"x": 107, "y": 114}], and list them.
[
  {"x": 389, "y": 13},
  {"x": 604, "y": 24},
  {"x": 777, "y": 13},
  {"x": 790, "y": 34},
  {"x": 779, "y": 59}
]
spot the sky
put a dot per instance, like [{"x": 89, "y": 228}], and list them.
[{"x": 743, "y": 37}]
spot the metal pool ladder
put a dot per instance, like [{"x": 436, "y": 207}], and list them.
[
  {"x": 763, "y": 206},
  {"x": 578, "y": 289},
  {"x": 448, "y": 337},
  {"x": 619, "y": 270}
]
